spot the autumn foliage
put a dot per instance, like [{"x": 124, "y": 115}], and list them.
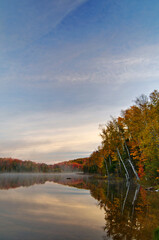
[
  {"x": 136, "y": 135},
  {"x": 16, "y": 165},
  {"x": 72, "y": 165}
]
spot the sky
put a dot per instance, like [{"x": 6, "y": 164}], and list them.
[{"x": 66, "y": 66}]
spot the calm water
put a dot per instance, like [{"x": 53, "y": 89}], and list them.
[{"x": 55, "y": 207}]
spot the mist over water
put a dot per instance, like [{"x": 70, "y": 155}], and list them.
[
  {"x": 15, "y": 180},
  {"x": 74, "y": 206}
]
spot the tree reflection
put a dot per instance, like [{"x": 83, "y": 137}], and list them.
[{"x": 130, "y": 211}]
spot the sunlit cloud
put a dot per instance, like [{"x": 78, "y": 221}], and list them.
[
  {"x": 37, "y": 136},
  {"x": 65, "y": 67},
  {"x": 42, "y": 205}
]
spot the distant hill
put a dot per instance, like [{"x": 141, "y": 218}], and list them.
[
  {"x": 16, "y": 165},
  {"x": 72, "y": 165}
]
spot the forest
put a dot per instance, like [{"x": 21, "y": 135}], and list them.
[
  {"x": 16, "y": 165},
  {"x": 130, "y": 142},
  {"x": 129, "y": 147}
]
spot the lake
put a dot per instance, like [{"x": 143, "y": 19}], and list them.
[{"x": 75, "y": 206}]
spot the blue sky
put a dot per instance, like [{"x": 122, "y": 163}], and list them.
[{"x": 66, "y": 66}]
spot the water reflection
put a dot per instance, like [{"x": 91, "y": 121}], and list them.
[
  {"x": 53, "y": 211},
  {"x": 130, "y": 211}
]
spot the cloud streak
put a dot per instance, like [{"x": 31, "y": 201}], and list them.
[
  {"x": 46, "y": 138},
  {"x": 31, "y": 20},
  {"x": 65, "y": 66},
  {"x": 137, "y": 66}
]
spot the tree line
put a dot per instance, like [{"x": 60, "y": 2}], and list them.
[
  {"x": 131, "y": 139},
  {"x": 16, "y": 165},
  {"x": 130, "y": 146}
]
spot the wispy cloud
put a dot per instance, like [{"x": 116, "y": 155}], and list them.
[
  {"x": 20, "y": 29},
  {"x": 63, "y": 71},
  {"x": 139, "y": 65},
  {"x": 46, "y": 137}
]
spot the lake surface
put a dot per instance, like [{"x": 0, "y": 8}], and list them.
[{"x": 75, "y": 206}]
